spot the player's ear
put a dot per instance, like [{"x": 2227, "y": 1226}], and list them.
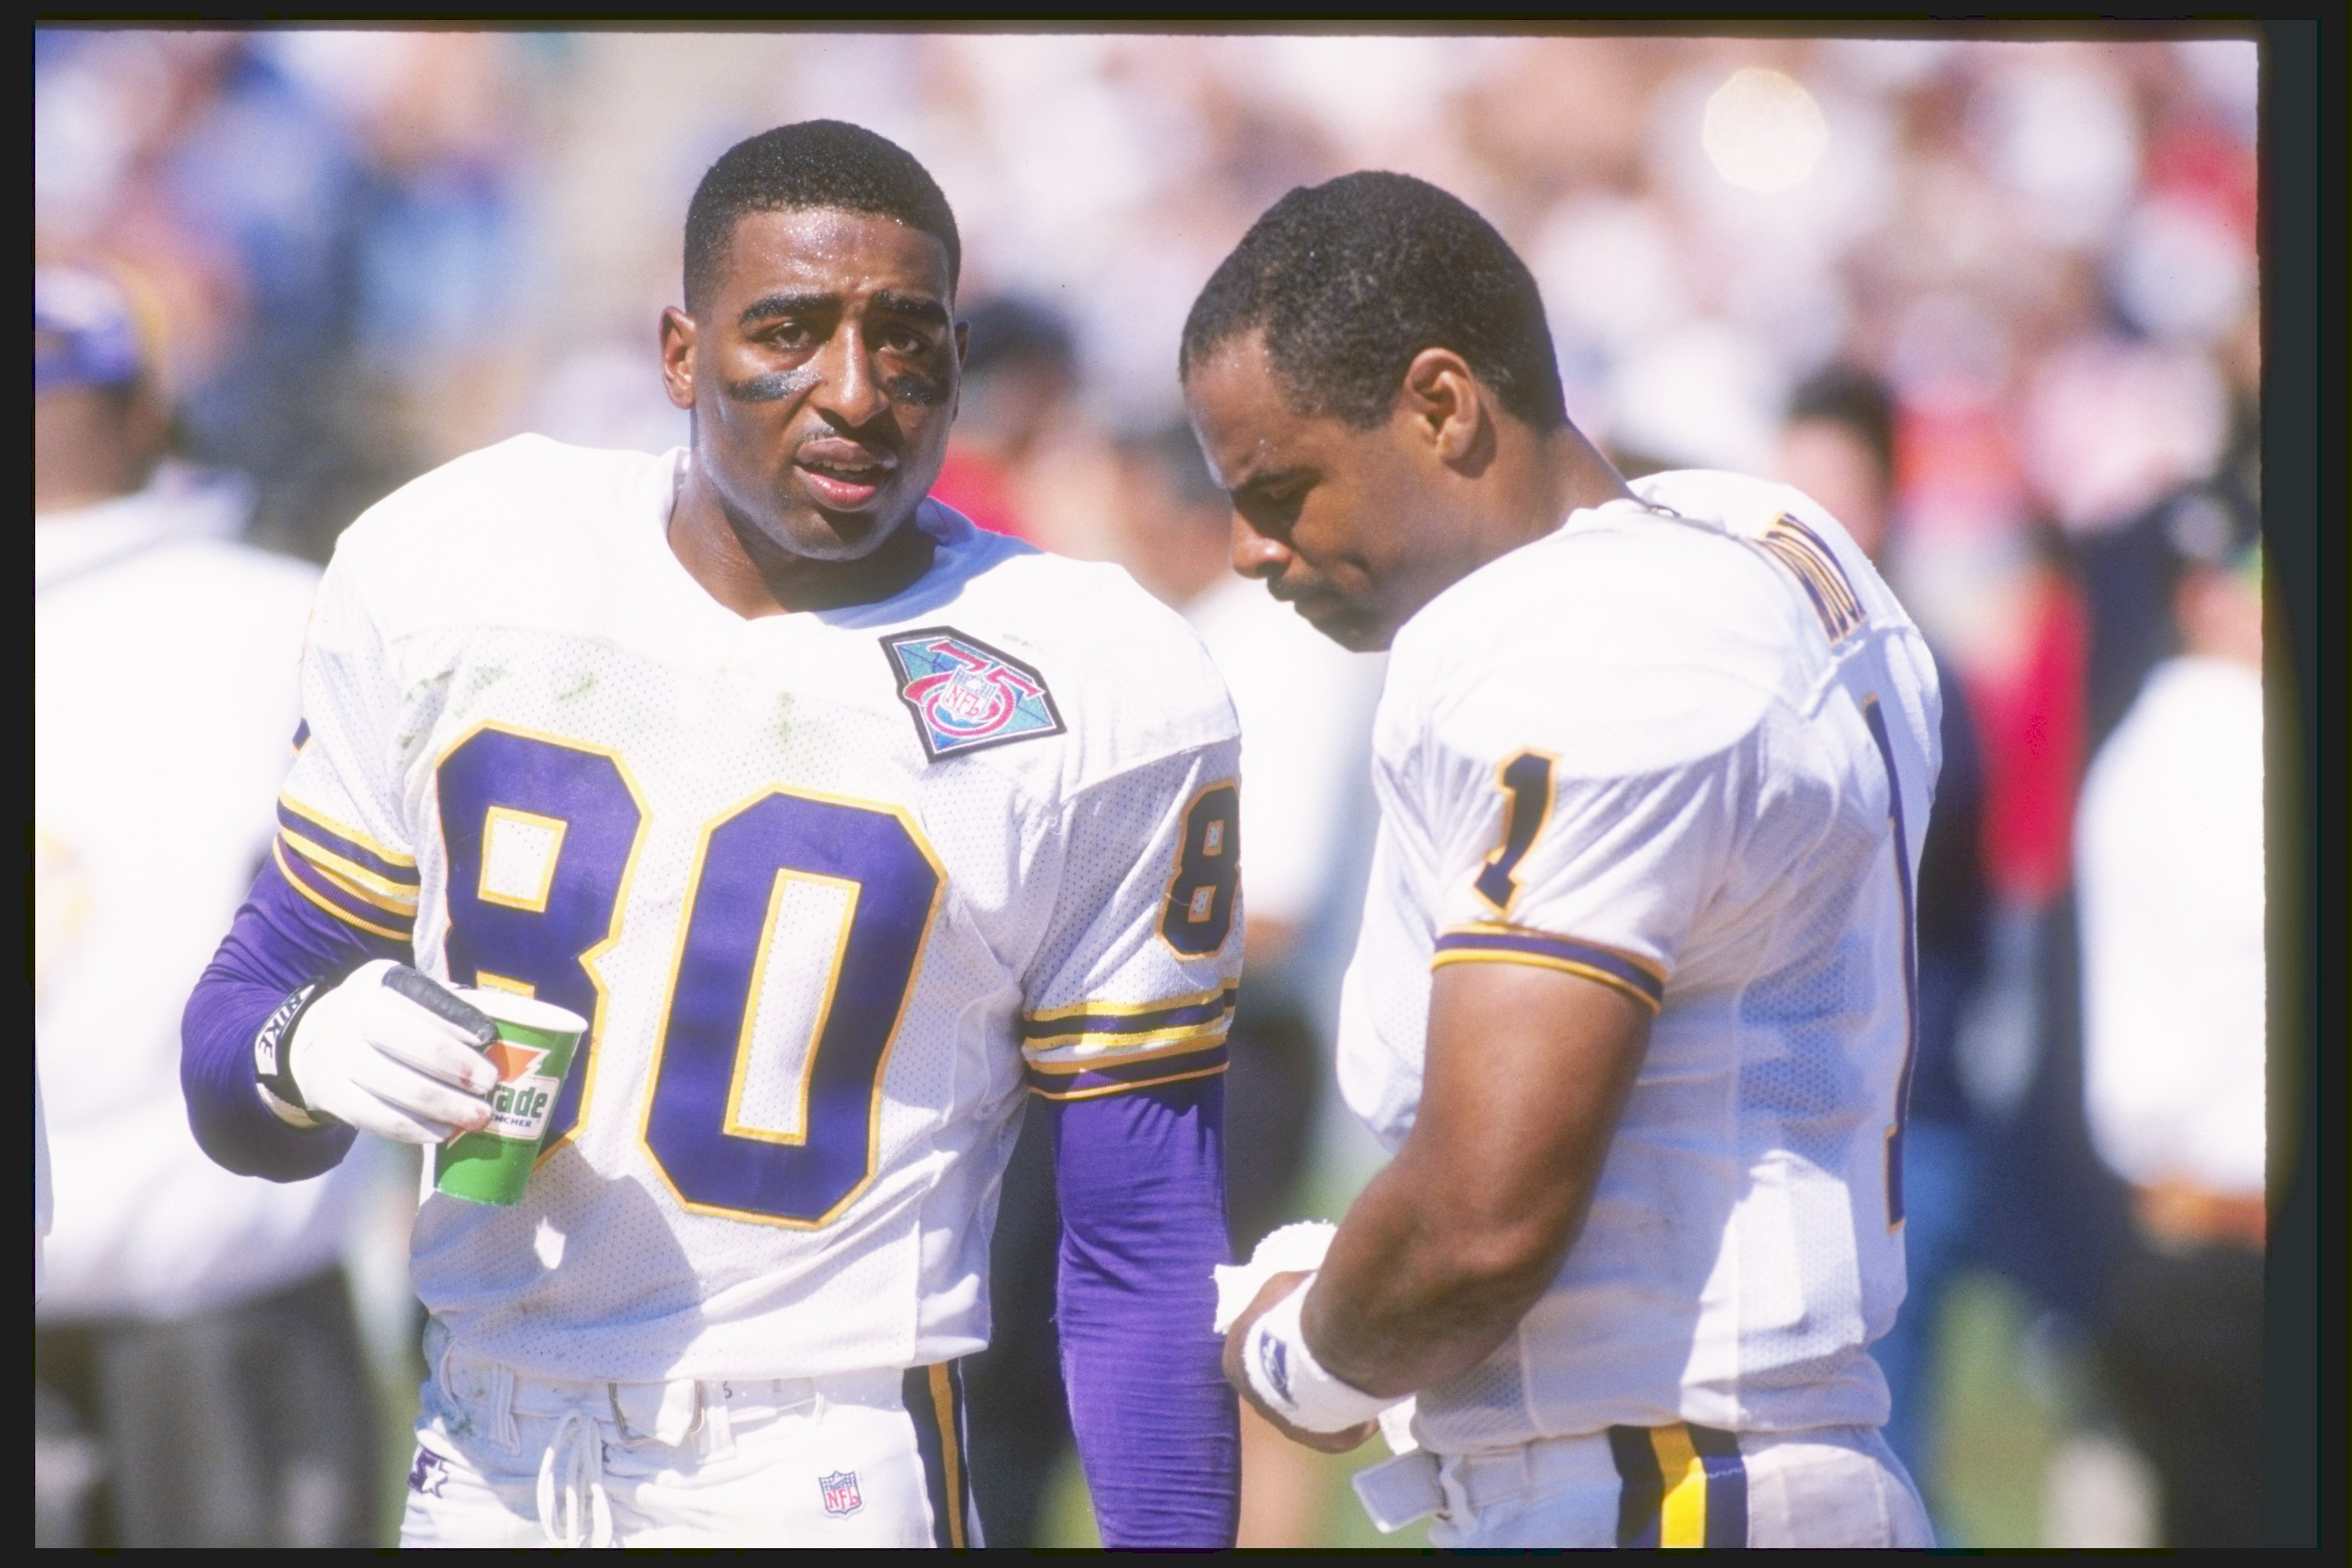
[
  {"x": 1440, "y": 396},
  {"x": 962, "y": 340},
  {"x": 678, "y": 335}
]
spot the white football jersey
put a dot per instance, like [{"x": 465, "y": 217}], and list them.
[
  {"x": 1683, "y": 747},
  {"x": 836, "y": 888},
  {"x": 162, "y": 650}
]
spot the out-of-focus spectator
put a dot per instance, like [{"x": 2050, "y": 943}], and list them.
[
  {"x": 1838, "y": 446},
  {"x": 332, "y": 216},
  {"x": 1017, "y": 1414},
  {"x": 2028, "y": 699},
  {"x": 1304, "y": 703},
  {"x": 199, "y": 1379},
  {"x": 1306, "y": 706},
  {"x": 2170, "y": 887},
  {"x": 2127, "y": 571},
  {"x": 1019, "y": 372}
]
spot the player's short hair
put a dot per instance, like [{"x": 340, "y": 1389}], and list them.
[
  {"x": 1352, "y": 278},
  {"x": 1855, "y": 401},
  {"x": 813, "y": 163}
]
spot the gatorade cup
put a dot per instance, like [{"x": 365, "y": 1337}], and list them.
[{"x": 534, "y": 1052}]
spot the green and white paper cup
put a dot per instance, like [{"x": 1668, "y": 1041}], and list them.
[{"x": 534, "y": 1052}]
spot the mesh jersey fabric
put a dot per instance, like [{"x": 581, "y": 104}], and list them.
[
  {"x": 814, "y": 958},
  {"x": 1726, "y": 706}
]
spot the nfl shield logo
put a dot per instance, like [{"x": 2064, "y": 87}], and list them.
[
  {"x": 841, "y": 1494},
  {"x": 965, "y": 694}
]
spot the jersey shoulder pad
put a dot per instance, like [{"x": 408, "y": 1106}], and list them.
[
  {"x": 1631, "y": 641},
  {"x": 456, "y": 540},
  {"x": 1131, "y": 680}
]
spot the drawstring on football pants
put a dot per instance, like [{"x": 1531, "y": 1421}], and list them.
[{"x": 571, "y": 1474}]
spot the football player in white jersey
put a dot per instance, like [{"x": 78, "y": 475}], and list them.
[
  {"x": 850, "y": 829},
  {"x": 1631, "y": 1004}
]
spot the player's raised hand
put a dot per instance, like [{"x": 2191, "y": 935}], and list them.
[{"x": 392, "y": 1052}]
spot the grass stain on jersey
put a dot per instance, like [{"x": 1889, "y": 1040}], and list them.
[
  {"x": 586, "y": 683},
  {"x": 422, "y": 707}
]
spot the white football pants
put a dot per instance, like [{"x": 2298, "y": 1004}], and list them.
[
  {"x": 872, "y": 1458},
  {"x": 1683, "y": 1486}
]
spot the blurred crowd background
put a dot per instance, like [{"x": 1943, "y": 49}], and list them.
[{"x": 1994, "y": 303}]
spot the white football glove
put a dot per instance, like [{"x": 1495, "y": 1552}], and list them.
[{"x": 392, "y": 1052}]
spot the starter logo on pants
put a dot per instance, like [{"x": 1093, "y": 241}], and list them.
[{"x": 429, "y": 1474}]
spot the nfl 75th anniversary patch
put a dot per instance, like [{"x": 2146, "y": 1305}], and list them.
[{"x": 966, "y": 695}]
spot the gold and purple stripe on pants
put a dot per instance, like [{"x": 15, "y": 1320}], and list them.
[
  {"x": 934, "y": 1400},
  {"x": 1678, "y": 1486},
  {"x": 1488, "y": 943}
]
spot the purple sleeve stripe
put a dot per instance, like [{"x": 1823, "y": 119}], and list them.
[
  {"x": 340, "y": 841},
  {"x": 366, "y": 886},
  {"x": 1106, "y": 1020},
  {"x": 1180, "y": 1043},
  {"x": 338, "y": 900},
  {"x": 1089, "y": 1082},
  {"x": 1495, "y": 944}
]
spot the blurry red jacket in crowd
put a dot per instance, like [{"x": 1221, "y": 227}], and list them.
[
  {"x": 980, "y": 488},
  {"x": 2030, "y": 718}
]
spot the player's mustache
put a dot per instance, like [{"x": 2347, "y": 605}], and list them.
[{"x": 847, "y": 449}]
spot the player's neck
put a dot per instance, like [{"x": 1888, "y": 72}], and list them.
[
  {"x": 753, "y": 577},
  {"x": 1525, "y": 487},
  {"x": 1575, "y": 476},
  {"x": 1536, "y": 481}
]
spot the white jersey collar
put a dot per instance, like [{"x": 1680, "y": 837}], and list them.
[{"x": 955, "y": 534}]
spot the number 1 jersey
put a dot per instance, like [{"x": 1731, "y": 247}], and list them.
[
  {"x": 837, "y": 891},
  {"x": 1683, "y": 747}
]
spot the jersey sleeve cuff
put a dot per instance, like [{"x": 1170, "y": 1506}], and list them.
[
  {"x": 1093, "y": 1048},
  {"x": 360, "y": 883},
  {"x": 1639, "y": 978}
]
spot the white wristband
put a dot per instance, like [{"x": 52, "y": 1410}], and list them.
[{"x": 1285, "y": 1373}]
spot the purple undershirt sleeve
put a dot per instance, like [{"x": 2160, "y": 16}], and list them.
[
  {"x": 1143, "y": 1188},
  {"x": 278, "y": 941}
]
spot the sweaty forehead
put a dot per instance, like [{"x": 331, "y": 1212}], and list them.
[
  {"x": 831, "y": 251},
  {"x": 1246, "y": 424}
]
